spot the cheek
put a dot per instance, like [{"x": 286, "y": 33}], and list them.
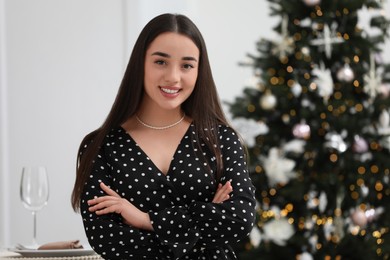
[
  {"x": 191, "y": 79},
  {"x": 150, "y": 77}
]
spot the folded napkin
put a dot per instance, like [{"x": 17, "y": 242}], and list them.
[{"x": 72, "y": 244}]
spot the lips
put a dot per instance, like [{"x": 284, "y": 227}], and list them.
[{"x": 169, "y": 90}]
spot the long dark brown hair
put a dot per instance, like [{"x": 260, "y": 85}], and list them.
[{"x": 203, "y": 105}]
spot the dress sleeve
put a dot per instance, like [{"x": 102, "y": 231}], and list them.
[
  {"x": 107, "y": 234},
  {"x": 207, "y": 224}
]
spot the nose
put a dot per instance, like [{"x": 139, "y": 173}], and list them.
[{"x": 172, "y": 75}]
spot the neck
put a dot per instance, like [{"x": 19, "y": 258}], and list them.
[{"x": 158, "y": 116}]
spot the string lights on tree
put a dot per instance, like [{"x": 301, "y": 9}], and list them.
[{"x": 317, "y": 127}]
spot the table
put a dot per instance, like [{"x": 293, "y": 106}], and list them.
[{"x": 7, "y": 255}]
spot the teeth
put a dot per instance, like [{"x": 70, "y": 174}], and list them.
[{"x": 170, "y": 91}]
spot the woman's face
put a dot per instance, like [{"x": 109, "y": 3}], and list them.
[{"x": 171, "y": 70}]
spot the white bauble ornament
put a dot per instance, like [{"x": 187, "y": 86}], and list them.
[
  {"x": 296, "y": 89},
  {"x": 312, "y": 2},
  {"x": 306, "y": 256},
  {"x": 305, "y": 51},
  {"x": 268, "y": 101},
  {"x": 345, "y": 73},
  {"x": 373, "y": 213}
]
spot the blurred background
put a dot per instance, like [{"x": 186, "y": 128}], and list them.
[{"x": 61, "y": 63}]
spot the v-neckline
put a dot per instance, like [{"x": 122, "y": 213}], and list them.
[{"x": 186, "y": 133}]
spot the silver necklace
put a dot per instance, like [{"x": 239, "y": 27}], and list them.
[{"x": 159, "y": 127}]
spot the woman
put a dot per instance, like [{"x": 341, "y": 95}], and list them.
[{"x": 165, "y": 176}]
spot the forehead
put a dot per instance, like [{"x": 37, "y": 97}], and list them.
[{"x": 174, "y": 43}]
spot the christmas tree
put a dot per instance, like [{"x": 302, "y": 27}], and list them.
[{"x": 316, "y": 123}]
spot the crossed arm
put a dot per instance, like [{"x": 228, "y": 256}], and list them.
[{"x": 113, "y": 203}]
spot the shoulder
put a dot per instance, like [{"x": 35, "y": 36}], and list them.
[
  {"x": 114, "y": 137},
  {"x": 115, "y": 132},
  {"x": 230, "y": 142},
  {"x": 226, "y": 131},
  {"x": 220, "y": 129},
  {"x": 93, "y": 138},
  {"x": 225, "y": 128}
]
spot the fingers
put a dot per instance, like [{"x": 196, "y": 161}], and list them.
[
  {"x": 108, "y": 191},
  {"x": 111, "y": 209},
  {"x": 102, "y": 202},
  {"x": 222, "y": 193}
]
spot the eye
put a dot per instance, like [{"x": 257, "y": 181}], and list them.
[
  {"x": 160, "y": 62},
  {"x": 188, "y": 66}
]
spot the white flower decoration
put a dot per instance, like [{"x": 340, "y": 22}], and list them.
[
  {"x": 372, "y": 80},
  {"x": 385, "y": 142},
  {"x": 384, "y": 123},
  {"x": 278, "y": 230},
  {"x": 364, "y": 20},
  {"x": 255, "y": 237},
  {"x": 295, "y": 146},
  {"x": 327, "y": 38},
  {"x": 279, "y": 170},
  {"x": 324, "y": 81},
  {"x": 323, "y": 199},
  {"x": 249, "y": 129},
  {"x": 286, "y": 45},
  {"x": 336, "y": 141}
]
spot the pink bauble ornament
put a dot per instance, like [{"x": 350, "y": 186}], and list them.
[
  {"x": 301, "y": 130},
  {"x": 360, "y": 145},
  {"x": 312, "y": 2},
  {"x": 359, "y": 218},
  {"x": 345, "y": 73},
  {"x": 384, "y": 90}
]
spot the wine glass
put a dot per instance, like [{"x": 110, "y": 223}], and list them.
[{"x": 34, "y": 192}]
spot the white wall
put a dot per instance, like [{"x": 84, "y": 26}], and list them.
[
  {"x": 64, "y": 61},
  {"x": 61, "y": 63}
]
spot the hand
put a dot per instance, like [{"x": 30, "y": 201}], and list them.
[
  {"x": 113, "y": 203},
  {"x": 223, "y": 192}
]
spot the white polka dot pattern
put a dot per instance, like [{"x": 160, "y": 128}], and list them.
[{"x": 187, "y": 225}]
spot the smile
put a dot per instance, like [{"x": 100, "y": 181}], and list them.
[{"x": 170, "y": 91}]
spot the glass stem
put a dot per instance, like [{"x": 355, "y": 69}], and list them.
[{"x": 34, "y": 213}]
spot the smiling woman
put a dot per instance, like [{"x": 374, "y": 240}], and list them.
[
  {"x": 171, "y": 70},
  {"x": 165, "y": 176},
  {"x": 60, "y": 78}
]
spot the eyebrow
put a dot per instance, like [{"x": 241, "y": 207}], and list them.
[{"x": 165, "y": 55}]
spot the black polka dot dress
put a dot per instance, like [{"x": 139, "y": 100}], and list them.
[{"x": 187, "y": 225}]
